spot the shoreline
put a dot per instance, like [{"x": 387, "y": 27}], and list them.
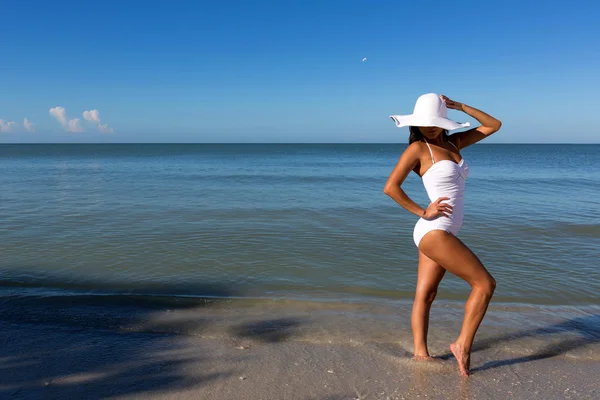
[
  {"x": 284, "y": 349},
  {"x": 360, "y": 320},
  {"x": 56, "y": 361},
  {"x": 12, "y": 289}
]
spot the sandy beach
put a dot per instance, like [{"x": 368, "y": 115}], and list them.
[{"x": 285, "y": 350}]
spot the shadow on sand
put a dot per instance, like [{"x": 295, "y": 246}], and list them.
[
  {"x": 86, "y": 346},
  {"x": 584, "y": 331},
  {"x": 269, "y": 331}
]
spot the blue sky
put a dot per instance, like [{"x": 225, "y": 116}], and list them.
[{"x": 292, "y": 71}]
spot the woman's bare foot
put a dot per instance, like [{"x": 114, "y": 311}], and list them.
[
  {"x": 462, "y": 357},
  {"x": 424, "y": 358}
]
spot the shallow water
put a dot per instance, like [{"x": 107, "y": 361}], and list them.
[{"x": 307, "y": 222}]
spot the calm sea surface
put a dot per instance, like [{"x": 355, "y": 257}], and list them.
[{"x": 287, "y": 221}]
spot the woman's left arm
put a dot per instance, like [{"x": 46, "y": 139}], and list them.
[{"x": 488, "y": 123}]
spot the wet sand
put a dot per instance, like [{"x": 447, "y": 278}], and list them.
[
  {"x": 57, "y": 362},
  {"x": 62, "y": 347}
]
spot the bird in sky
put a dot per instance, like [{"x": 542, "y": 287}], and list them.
[{"x": 364, "y": 59}]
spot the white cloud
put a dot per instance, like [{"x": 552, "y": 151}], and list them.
[
  {"x": 29, "y": 126},
  {"x": 5, "y": 126},
  {"x": 72, "y": 125},
  {"x": 92, "y": 115},
  {"x": 60, "y": 114},
  {"x": 105, "y": 129}
]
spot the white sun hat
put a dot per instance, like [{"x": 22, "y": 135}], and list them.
[{"x": 430, "y": 110}]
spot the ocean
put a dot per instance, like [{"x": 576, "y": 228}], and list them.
[{"x": 163, "y": 224}]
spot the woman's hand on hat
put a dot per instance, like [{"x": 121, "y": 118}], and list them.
[
  {"x": 438, "y": 209},
  {"x": 454, "y": 105}
]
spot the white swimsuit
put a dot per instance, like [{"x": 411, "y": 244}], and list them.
[{"x": 444, "y": 178}]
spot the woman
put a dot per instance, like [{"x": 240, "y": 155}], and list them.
[{"x": 435, "y": 157}]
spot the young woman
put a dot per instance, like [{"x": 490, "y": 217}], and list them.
[{"x": 435, "y": 157}]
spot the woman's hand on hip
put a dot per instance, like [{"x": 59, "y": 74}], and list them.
[{"x": 438, "y": 209}]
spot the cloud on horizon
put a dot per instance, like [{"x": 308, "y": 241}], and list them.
[
  {"x": 60, "y": 114},
  {"x": 29, "y": 126},
  {"x": 105, "y": 129},
  {"x": 10, "y": 126},
  {"x": 6, "y": 126},
  {"x": 94, "y": 116},
  {"x": 72, "y": 125}
]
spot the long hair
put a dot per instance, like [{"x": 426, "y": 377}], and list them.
[{"x": 417, "y": 136}]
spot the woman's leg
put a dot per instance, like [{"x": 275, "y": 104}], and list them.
[
  {"x": 452, "y": 254},
  {"x": 429, "y": 276}
]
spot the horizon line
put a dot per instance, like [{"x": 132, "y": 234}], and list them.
[{"x": 296, "y": 143}]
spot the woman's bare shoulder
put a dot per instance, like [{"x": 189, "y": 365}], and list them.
[
  {"x": 412, "y": 155},
  {"x": 415, "y": 149}
]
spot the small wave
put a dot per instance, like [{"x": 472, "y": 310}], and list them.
[{"x": 53, "y": 286}]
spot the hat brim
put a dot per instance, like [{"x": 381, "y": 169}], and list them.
[{"x": 424, "y": 120}]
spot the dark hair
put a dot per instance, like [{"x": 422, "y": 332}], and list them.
[{"x": 417, "y": 136}]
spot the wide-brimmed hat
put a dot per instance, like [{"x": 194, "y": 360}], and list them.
[{"x": 430, "y": 110}]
